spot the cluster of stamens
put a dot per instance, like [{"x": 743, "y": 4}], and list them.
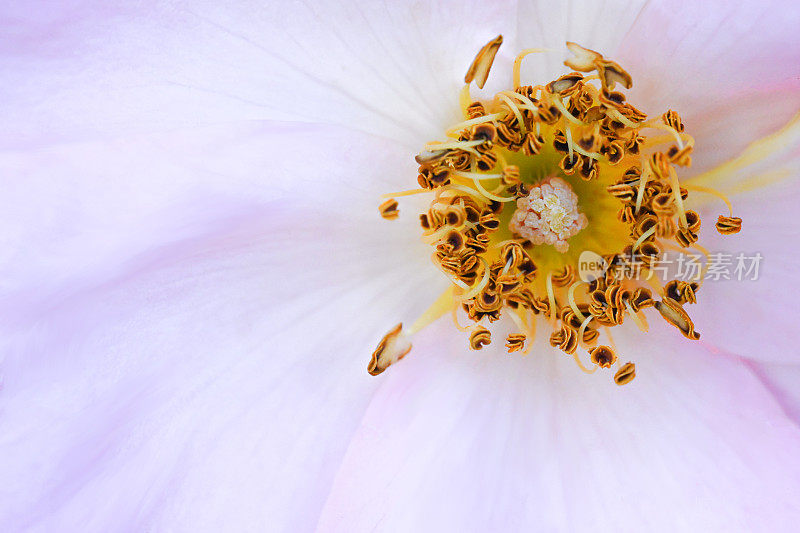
[{"x": 585, "y": 131}]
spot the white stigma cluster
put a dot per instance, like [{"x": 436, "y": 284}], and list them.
[{"x": 549, "y": 214}]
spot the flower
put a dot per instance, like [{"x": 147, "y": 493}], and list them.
[{"x": 195, "y": 270}]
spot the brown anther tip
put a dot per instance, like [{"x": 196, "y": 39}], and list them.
[
  {"x": 392, "y": 348},
  {"x": 563, "y": 277},
  {"x": 565, "y": 84},
  {"x": 622, "y": 191},
  {"x": 486, "y": 131},
  {"x": 479, "y": 338},
  {"x": 681, "y": 291},
  {"x": 479, "y": 69},
  {"x": 590, "y": 336},
  {"x": 675, "y": 315},
  {"x": 673, "y": 120},
  {"x": 388, "y": 209},
  {"x": 603, "y": 356},
  {"x": 625, "y": 374},
  {"x": 565, "y": 339},
  {"x": 692, "y": 221},
  {"x": 611, "y": 74},
  {"x": 729, "y": 225},
  {"x": 515, "y": 342},
  {"x": 475, "y": 110},
  {"x": 584, "y": 58},
  {"x": 511, "y": 175}
]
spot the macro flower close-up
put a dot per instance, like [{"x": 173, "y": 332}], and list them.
[{"x": 400, "y": 266}]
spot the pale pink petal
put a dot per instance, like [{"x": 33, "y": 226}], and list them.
[
  {"x": 76, "y": 210},
  {"x": 755, "y": 318},
  {"x": 601, "y": 26},
  {"x": 80, "y": 70},
  {"x": 209, "y": 384},
  {"x": 731, "y": 71},
  {"x": 477, "y": 441},
  {"x": 784, "y": 381}
]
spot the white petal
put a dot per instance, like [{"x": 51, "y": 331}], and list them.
[
  {"x": 77, "y": 210},
  {"x": 393, "y": 69},
  {"x": 784, "y": 381},
  {"x": 729, "y": 70},
  {"x": 457, "y": 441},
  {"x": 601, "y": 26},
  {"x": 753, "y": 313},
  {"x": 210, "y": 384}
]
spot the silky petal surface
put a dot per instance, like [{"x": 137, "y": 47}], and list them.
[
  {"x": 192, "y": 348},
  {"x": 731, "y": 71},
  {"x": 209, "y": 384},
  {"x": 79, "y": 209},
  {"x": 82, "y": 70},
  {"x": 479, "y": 441},
  {"x": 747, "y": 305}
]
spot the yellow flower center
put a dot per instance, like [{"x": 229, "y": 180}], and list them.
[{"x": 533, "y": 178}]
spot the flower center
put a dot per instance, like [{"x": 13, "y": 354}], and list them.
[
  {"x": 529, "y": 181},
  {"x": 548, "y": 215}
]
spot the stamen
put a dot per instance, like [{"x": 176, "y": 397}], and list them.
[
  {"x": 479, "y": 69},
  {"x": 577, "y": 148},
  {"x": 584, "y": 60},
  {"x": 709, "y": 190},
  {"x": 514, "y": 109},
  {"x": 603, "y": 356},
  {"x": 393, "y": 347},
  {"x": 572, "y": 304},
  {"x": 479, "y": 338},
  {"x": 388, "y": 209},
  {"x": 476, "y": 175},
  {"x": 577, "y": 359},
  {"x": 584, "y": 325},
  {"x": 642, "y": 184},
  {"x": 729, "y": 225},
  {"x": 643, "y": 238},
  {"x": 518, "y": 62},
  {"x": 569, "y": 143},
  {"x": 461, "y": 126},
  {"x": 489, "y": 195},
  {"x": 455, "y": 145},
  {"x": 508, "y": 265},
  {"x": 619, "y": 117},
  {"x": 640, "y": 321},
  {"x": 527, "y": 103},
  {"x": 550, "y": 296},
  {"x": 656, "y": 124},
  {"x": 454, "y": 315},
  {"x": 676, "y": 191},
  {"x": 455, "y": 187},
  {"x": 465, "y": 98},
  {"x": 625, "y": 374},
  {"x": 478, "y": 287},
  {"x": 515, "y": 341},
  {"x": 675, "y": 315},
  {"x": 405, "y": 193},
  {"x": 564, "y": 111}
]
